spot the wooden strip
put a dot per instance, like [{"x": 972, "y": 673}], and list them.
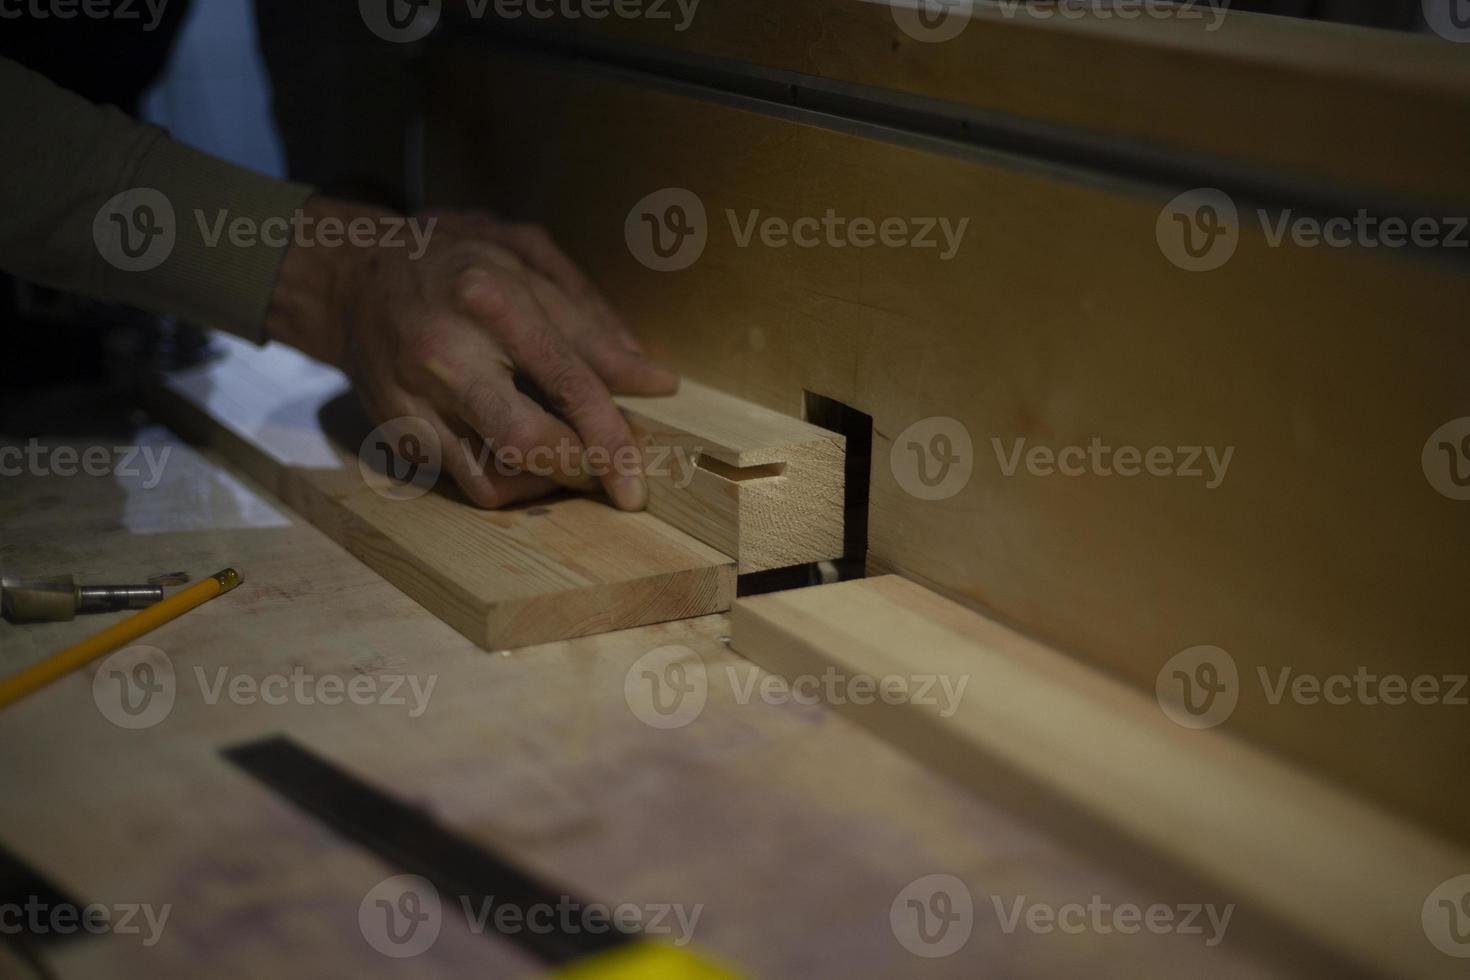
[
  {"x": 561, "y": 568},
  {"x": 1058, "y": 322},
  {"x": 536, "y": 753},
  {"x": 750, "y": 482},
  {"x": 1331, "y": 866}
]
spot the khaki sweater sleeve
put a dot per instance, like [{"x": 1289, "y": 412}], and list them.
[{"x": 94, "y": 202}]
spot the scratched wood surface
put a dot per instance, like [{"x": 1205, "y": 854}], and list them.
[{"x": 795, "y": 830}]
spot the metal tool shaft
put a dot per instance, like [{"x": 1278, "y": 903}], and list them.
[
  {"x": 109, "y": 598},
  {"x": 59, "y": 598}
]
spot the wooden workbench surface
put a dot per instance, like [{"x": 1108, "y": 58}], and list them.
[{"x": 794, "y": 830}]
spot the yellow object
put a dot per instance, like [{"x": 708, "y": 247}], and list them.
[
  {"x": 645, "y": 961},
  {"x": 59, "y": 665}
]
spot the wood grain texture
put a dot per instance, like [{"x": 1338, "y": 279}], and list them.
[
  {"x": 556, "y": 569},
  {"x": 1058, "y": 322},
  {"x": 1347, "y": 873},
  {"x": 532, "y": 574},
  {"x": 750, "y": 482},
  {"x": 1376, "y": 112},
  {"x": 535, "y": 755}
]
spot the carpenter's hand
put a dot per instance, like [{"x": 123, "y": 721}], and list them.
[{"x": 443, "y": 331}]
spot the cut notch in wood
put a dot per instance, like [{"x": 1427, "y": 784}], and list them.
[
  {"x": 739, "y": 474},
  {"x": 759, "y": 486},
  {"x": 570, "y": 566}
]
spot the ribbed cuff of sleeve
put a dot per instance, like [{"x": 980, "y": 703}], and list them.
[{"x": 230, "y": 230}]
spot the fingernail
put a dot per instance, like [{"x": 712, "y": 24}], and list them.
[
  {"x": 471, "y": 281},
  {"x": 661, "y": 377},
  {"x": 630, "y": 493}
]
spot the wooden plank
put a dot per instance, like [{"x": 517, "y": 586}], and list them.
[
  {"x": 1059, "y": 321},
  {"x": 1373, "y": 112},
  {"x": 532, "y": 574},
  {"x": 556, "y": 569},
  {"x": 752, "y": 483},
  {"x": 536, "y": 755},
  {"x": 1342, "y": 871}
]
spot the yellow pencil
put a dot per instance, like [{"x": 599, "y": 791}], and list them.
[{"x": 59, "y": 665}]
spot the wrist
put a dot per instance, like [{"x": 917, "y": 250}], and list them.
[{"x": 320, "y": 279}]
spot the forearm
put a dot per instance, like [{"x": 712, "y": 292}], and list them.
[{"x": 67, "y": 158}]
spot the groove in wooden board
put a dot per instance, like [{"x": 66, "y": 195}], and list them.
[
  {"x": 552, "y": 570},
  {"x": 1325, "y": 862},
  {"x": 760, "y": 486},
  {"x": 1324, "y": 103},
  {"x": 1059, "y": 321}
]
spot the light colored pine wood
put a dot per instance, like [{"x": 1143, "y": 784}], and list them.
[
  {"x": 757, "y": 485},
  {"x": 1341, "y": 871},
  {"x": 1372, "y": 110},
  {"x": 569, "y": 567},
  {"x": 535, "y": 755},
  {"x": 1058, "y": 321},
  {"x": 531, "y": 574}
]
